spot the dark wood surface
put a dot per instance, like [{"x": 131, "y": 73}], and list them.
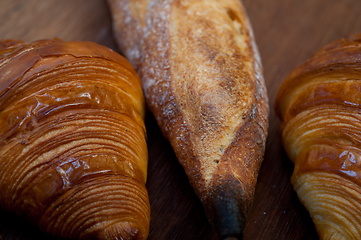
[{"x": 287, "y": 32}]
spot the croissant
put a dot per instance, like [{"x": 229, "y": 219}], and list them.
[
  {"x": 73, "y": 155},
  {"x": 203, "y": 82},
  {"x": 319, "y": 104}
]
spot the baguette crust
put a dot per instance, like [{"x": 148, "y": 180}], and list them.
[{"x": 203, "y": 82}]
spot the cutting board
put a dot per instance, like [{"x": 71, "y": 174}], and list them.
[{"x": 287, "y": 33}]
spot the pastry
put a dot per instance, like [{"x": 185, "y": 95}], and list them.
[
  {"x": 73, "y": 155},
  {"x": 319, "y": 105}
]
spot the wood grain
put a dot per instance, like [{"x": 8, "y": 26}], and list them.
[{"x": 287, "y": 34}]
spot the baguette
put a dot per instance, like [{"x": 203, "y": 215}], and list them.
[{"x": 202, "y": 79}]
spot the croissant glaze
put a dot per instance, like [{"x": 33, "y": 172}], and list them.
[
  {"x": 319, "y": 104},
  {"x": 73, "y": 155},
  {"x": 203, "y": 82}
]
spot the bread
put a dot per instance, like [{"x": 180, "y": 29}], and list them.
[
  {"x": 73, "y": 155},
  {"x": 319, "y": 104},
  {"x": 202, "y": 79}
]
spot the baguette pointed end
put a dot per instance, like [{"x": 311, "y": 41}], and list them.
[
  {"x": 227, "y": 205},
  {"x": 227, "y": 219}
]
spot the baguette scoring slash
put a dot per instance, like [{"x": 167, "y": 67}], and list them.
[{"x": 202, "y": 79}]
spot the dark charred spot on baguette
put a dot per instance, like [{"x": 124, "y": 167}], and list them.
[{"x": 226, "y": 213}]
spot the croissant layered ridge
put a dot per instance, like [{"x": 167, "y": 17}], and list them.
[
  {"x": 202, "y": 79},
  {"x": 319, "y": 104},
  {"x": 73, "y": 155}
]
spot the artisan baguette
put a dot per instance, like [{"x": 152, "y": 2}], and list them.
[
  {"x": 73, "y": 155},
  {"x": 202, "y": 79}
]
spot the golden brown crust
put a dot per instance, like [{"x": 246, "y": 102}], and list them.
[
  {"x": 73, "y": 154},
  {"x": 203, "y": 82},
  {"x": 325, "y": 66},
  {"x": 319, "y": 104}
]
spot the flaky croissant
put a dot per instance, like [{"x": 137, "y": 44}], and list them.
[
  {"x": 319, "y": 104},
  {"x": 73, "y": 155},
  {"x": 202, "y": 79}
]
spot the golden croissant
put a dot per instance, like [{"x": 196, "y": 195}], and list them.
[
  {"x": 319, "y": 104},
  {"x": 73, "y": 155},
  {"x": 202, "y": 79}
]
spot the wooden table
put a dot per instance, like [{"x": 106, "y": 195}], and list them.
[{"x": 287, "y": 32}]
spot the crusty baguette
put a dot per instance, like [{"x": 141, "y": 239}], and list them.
[
  {"x": 73, "y": 155},
  {"x": 319, "y": 105},
  {"x": 203, "y": 82}
]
